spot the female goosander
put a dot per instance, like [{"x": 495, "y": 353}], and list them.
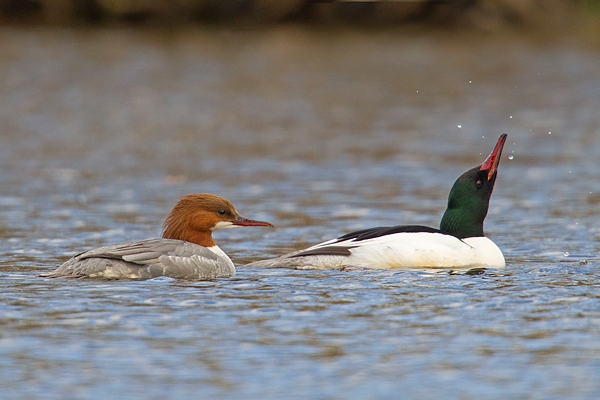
[
  {"x": 459, "y": 243},
  {"x": 186, "y": 250}
]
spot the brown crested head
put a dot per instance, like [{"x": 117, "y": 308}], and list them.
[{"x": 195, "y": 216}]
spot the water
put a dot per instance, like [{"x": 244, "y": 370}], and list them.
[{"x": 320, "y": 133}]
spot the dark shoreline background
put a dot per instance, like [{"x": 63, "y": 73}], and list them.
[{"x": 545, "y": 15}]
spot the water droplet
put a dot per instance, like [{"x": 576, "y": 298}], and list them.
[
  {"x": 469, "y": 81},
  {"x": 549, "y": 133},
  {"x": 459, "y": 126},
  {"x": 511, "y": 157},
  {"x": 417, "y": 91},
  {"x": 510, "y": 117},
  {"x": 566, "y": 254}
]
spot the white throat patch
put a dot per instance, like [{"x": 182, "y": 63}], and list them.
[{"x": 224, "y": 225}]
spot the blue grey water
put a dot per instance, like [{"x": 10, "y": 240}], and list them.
[{"x": 321, "y": 133}]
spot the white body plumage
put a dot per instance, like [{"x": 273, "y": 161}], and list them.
[{"x": 403, "y": 250}]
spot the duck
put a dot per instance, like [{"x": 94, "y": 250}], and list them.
[
  {"x": 459, "y": 243},
  {"x": 186, "y": 249}
]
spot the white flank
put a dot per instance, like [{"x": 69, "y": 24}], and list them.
[{"x": 414, "y": 250}]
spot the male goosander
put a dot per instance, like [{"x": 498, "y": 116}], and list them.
[
  {"x": 459, "y": 243},
  {"x": 186, "y": 249}
]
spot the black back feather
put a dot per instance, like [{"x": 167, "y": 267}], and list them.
[{"x": 364, "y": 234}]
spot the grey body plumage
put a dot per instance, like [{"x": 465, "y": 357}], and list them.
[{"x": 147, "y": 259}]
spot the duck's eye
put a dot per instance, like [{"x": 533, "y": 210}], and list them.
[
  {"x": 479, "y": 183},
  {"x": 221, "y": 212}
]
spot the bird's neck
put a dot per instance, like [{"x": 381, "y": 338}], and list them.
[
  {"x": 461, "y": 223},
  {"x": 202, "y": 238}
]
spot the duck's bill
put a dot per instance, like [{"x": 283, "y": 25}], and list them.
[
  {"x": 241, "y": 221},
  {"x": 491, "y": 162}
]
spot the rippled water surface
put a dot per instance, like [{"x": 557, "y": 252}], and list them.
[{"x": 321, "y": 133}]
